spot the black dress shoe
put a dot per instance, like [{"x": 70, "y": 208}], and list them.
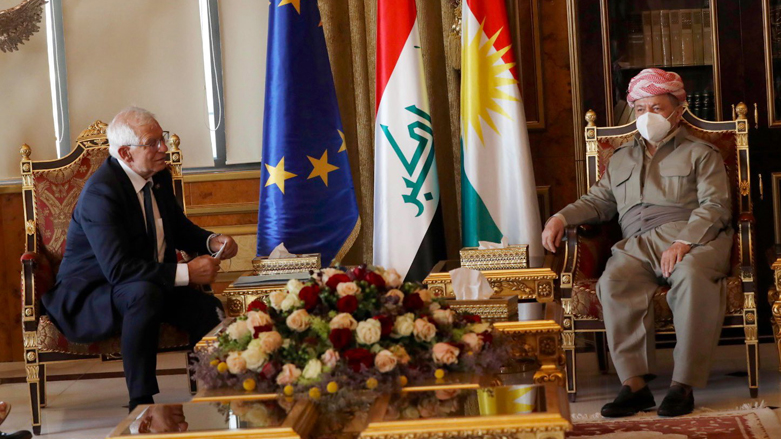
[
  {"x": 678, "y": 402},
  {"x": 627, "y": 403},
  {"x": 24, "y": 434}
]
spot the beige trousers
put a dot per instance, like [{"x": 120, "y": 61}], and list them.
[{"x": 697, "y": 298}]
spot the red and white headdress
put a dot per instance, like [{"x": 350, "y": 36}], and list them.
[{"x": 655, "y": 82}]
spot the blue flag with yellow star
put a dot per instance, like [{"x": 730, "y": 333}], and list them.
[{"x": 307, "y": 200}]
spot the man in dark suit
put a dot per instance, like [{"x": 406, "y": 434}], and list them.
[{"x": 120, "y": 272}]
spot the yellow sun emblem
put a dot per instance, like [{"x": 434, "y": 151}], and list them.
[{"x": 481, "y": 81}]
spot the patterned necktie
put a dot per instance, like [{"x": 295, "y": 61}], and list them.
[{"x": 151, "y": 228}]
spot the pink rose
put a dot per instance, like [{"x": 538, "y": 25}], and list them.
[
  {"x": 289, "y": 375},
  {"x": 270, "y": 341},
  {"x": 400, "y": 353},
  {"x": 256, "y": 319},
  {"x": 330, "y": 358},
  {"x": 425, "y": 295},
  {"x": 236, "y": 363},
  {"x": 473, "y": 341},
  {"x": 347, "y": 289},
  {"x": 385, "y": 361},
  {"x": 444, "y": 353},
  {"x": 444, "y": 317},
  {"x": 343, "y": 321},
  {"x": 276, "y": 299},
  {"x": 395, "y": 293},
  {"x": 423, "y": 330},
  {"x": 299, "y": 320}
]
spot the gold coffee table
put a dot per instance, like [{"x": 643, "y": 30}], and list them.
[
  {"x": 238, "y": 298},
  {"x": 533, "y": 283}
]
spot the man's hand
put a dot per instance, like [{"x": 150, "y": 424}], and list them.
[
  {"x": 551, "y": 236},
  {"x": 231, "y": 248},
  {"x": 672, "y": 256},
  {"x": 203, "y": 270}
]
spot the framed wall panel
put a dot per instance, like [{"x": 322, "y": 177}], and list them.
[{"x": 524, "y": 16}]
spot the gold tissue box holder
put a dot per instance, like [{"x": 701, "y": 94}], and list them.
[
  {"x": 496, "y": 309},
  {"x": 298, "y": 263},
  {"x": 508, "y": 258}
]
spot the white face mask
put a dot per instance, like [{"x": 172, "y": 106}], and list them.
[{"x": 654, "y": 127}]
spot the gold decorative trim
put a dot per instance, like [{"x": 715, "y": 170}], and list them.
[
  {"x": 511, "y": 258},
  {"x": 13, "y": 188},
  {"x": 348, "y": 243},
  {"x": 573, "y": 41},
  {"x": 495, "y": 309},
  {"x": 97, "y": 128},
  {"x": 263, "y": 265},
  {"x": 604, "y": 16},
  {"x": 221, "y": 176},
  {"x": 32, "y": 373},
  {"x": 222, "y": 209}
]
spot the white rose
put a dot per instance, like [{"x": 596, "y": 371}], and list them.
[
  {"x": 479, "y": 328},
  {"x": 256, "y": 319},
  {"x": 276, "y": 299},
  {"x": 289, "y": 375},
  {"x": 368, "y": 331},
  {"x": 236, "y": 363},
  {"x": 385, "y": 361},
  {"x": 347, "y": 289},
  {"x": 392, "y": 278},
  {"x": 238, "y": 330},
  {"x": 294, "y": 286},
  {"x": 269, "y": 341},
  {"x": 330, "y": 358},
  {"x": 444, "y": 317},
  {"x": 313, "y": 369},
  {"x": 299, "y": 320},
  {"x": 473, "y": 341},
  {"x": 342, "y": 321},
  {"x": 254, "y": 357},
  {"x": 291, "y": 301},
  {"x": 403, "y": 325},
  {"x": 423, "y": 330}
]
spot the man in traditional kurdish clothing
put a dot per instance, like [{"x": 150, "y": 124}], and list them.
[{"x": 671, "y": 193}]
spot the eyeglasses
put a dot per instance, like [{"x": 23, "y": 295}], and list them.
[{"x": 159, "y": 143}]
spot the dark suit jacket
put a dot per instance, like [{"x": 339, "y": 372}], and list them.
[{"x": 107, "y": 246}]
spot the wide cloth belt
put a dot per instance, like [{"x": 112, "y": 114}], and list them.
[{"x": 645, "y": 217}]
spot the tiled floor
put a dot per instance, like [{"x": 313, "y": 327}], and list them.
[{"x": 87, "y": 409}]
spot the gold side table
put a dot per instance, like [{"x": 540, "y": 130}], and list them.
[
  {"x": 533, "y": 283},
  {"x": 237, "y": 298}
]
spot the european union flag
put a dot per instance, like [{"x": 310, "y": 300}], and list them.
[{"x": 307, "y": 200}]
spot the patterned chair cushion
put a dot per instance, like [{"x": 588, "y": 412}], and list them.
[
  {"x": 585, "y": 304},
  {"x": 50, "y": 339}
]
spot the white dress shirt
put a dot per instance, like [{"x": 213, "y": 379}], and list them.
[{"x": 182, "y": 274}]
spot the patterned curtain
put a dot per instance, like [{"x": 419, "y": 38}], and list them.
[{"x": 350, "y": 32}]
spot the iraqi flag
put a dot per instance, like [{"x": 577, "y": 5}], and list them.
[
  {"x": 408, "y": 232},
  {"x": 498, "y": 194}
]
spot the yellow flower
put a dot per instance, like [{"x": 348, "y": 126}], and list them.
[
  {"x": 372, "y": 383},
  {"x": 249, "y": 384},
  {"x": 214, "y": 362},
  {"x": 403, "y": 380},
  {"x": 288, "y": 390},
  {"x": 439, "y": 374},
  {"x": 332, "y": 387},
  {"x": 222, "y": 367},
  {"x": 314, "y": 393}
]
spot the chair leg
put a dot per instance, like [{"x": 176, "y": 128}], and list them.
[
  {"x": 775, "y": 303},
  {"x": 42, "y": 383},
  {"x": 33, "y": 384},
  {"x": 752, "y": 355},
  {"x": 191, "y": 359},
  {"x": 752, "y": 352},
  {"x": 568, "y": 345},
  {"x": 602, "y": 355}
]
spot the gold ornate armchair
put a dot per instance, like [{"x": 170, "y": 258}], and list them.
[
  {"x": 50, "y": 190},
  {"x": 587, "y": 248}
]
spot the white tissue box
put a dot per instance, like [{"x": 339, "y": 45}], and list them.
[
  {"x": 296, "y": 264},
  {"x": 509, "y": 258},
  {"x": 495, "y": 309}
]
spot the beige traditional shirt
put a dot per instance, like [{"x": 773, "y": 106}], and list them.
[{"x": 685, "y": 172}]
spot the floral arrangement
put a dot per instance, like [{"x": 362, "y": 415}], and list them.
[{"x": 346, "y": 329}]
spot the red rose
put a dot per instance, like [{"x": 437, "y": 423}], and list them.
[
  {"x": 270, "y": 370},
  {"x": 487, "y": 337},
  {"x": 312, "y": 341},
  {"x": 358, "y": 358},
  {"x": 261, "y": 329},
  {"x": 257, "y": 305},
  {"x": 347, "y": 304},
  {"x": 336, "y": 279},
  {"x": 359, "y": 272},
  {"x": 340, "y": 338},
  {"x": 413, "y": 302},
  {"x": 310, "y": 295},
  {"x": 387, "y": 324},
  {"x": 472, "y": 318},
  {"x": 375, "y": 279}
]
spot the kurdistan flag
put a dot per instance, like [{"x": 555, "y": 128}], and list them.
[
  {"x": 408, "y": 232},
  {"x": 498, "y": 194}
]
